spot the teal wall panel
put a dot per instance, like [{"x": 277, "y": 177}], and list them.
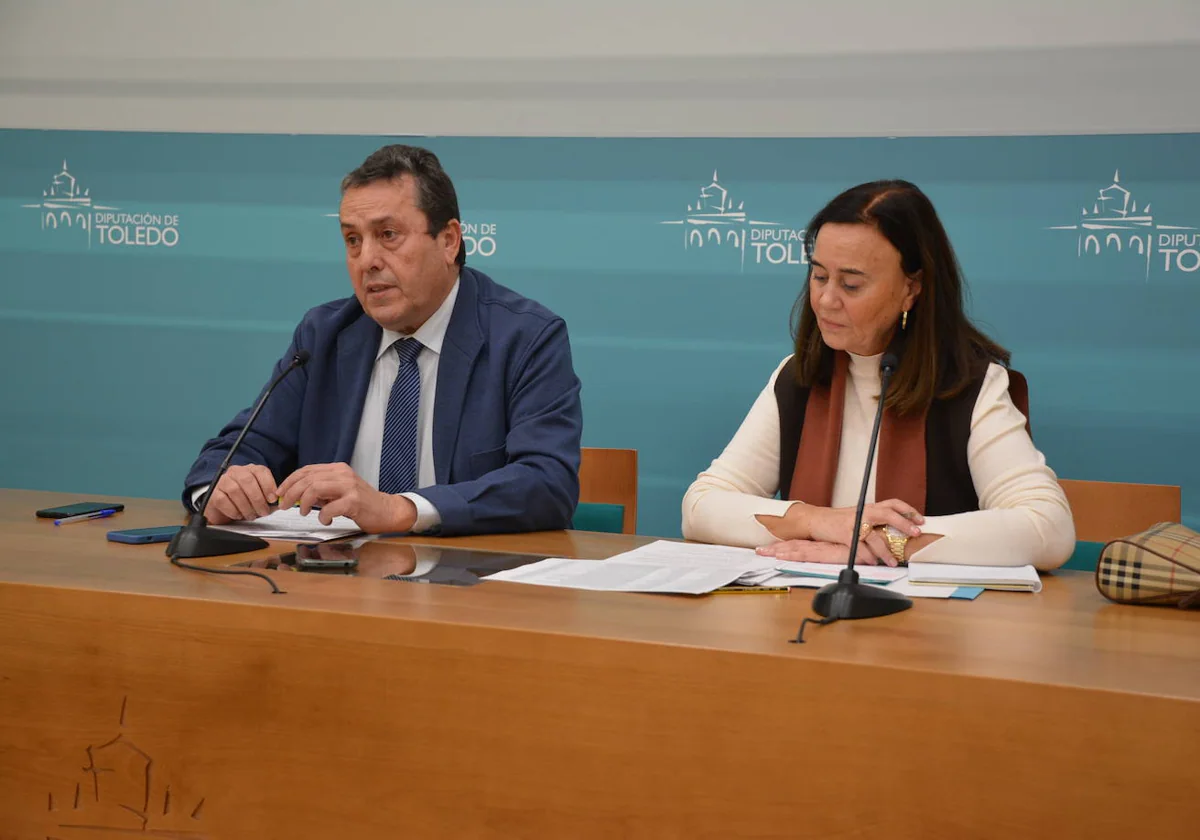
[{"x": 120, "y": 359}]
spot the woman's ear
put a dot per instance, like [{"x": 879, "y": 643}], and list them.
[{"x": 913, "y": 291}]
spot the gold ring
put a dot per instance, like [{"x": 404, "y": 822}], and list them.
[{"x": 864, "y": 531}]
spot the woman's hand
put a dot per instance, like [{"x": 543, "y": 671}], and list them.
[
  {"x": 793, "y": 525},
  {"x": 811, "y": 551},
  {"x": 834, "y": 525}
]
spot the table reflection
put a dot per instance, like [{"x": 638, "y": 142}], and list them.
[{"x": 408, "y": 562}]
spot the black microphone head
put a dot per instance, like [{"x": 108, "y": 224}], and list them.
[
  {"x": 889, "y": 362},
  {"x": 301, "y": 358}
]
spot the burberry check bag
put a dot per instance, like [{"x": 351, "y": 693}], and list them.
[{"x": 1158, "y": 566}]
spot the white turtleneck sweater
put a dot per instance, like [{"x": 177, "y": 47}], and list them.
[{"x": 1023, "y": 515}]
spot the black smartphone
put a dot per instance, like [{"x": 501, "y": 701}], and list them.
[
  {"x": 330, "y": 555},
  {"x": 77, "y": 509},
  {"x": 138, "y": 536}
]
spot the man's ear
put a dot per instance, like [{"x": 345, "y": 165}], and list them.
[{"x": 450, "y": 239}]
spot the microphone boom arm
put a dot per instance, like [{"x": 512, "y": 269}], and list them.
[
  {"x": 848, "y": 598},
  {"x": 196, "y": 539}
]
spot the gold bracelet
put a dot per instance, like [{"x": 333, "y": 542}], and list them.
[{"x": 896, "y": 541}]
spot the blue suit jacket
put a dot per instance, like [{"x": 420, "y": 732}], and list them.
[{"x": 506, "y": 423}]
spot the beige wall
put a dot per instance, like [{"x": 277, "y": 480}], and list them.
[{"x": 620, "y": 67}]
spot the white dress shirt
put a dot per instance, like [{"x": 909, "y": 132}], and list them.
[
  {"x": 1023, "y": 514},
  {"x": 369, "y": 443}
]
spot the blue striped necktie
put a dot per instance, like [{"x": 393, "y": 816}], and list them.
[{"x": 398, "y": 457}]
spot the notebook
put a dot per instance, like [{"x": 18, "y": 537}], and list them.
[{"x": 1006, "y": 578}]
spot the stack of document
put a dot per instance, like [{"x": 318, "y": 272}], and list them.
[
  {"x": 1006, "y": 578},
  {"x": 290, "y": 525},
  {"x": 815, "y": 575},
  {"x": 661, "y": 566},
  {"x": 673, "y": 567}
]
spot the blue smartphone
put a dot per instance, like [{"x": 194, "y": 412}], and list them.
[{"x": 144, "y": 535}]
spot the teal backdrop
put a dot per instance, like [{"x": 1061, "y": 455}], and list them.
[{"x": 151, "y": 280}]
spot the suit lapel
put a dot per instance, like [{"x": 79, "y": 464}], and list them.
[
  {"x": 464, "y": 339},
  {"x": 356, "y": 349}
]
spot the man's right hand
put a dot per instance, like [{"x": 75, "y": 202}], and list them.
[{"x": 245, "y": 492}]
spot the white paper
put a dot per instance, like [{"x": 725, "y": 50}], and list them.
[
  {"x": 900, "y": 585},
  {"x": 828, "y": 571},
  {"x": 1013, "y": 578},
  {"x": 692, "y": 556},
  {"x": 660, "y": 566},
  {"x": 793, "y": 581},
  {"x": 610, "y": 576},
  {"x": 290, "y": 525},
  {"x": 757, "y": 576}
]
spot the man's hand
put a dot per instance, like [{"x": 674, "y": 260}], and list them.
[
  {"x": 338, "y": 491},
  {"x": 244, "y": 492}
]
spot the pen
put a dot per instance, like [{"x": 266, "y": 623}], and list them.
[
  {"x": 98, "y": 514},
  {"x": 738, "y": 590}
]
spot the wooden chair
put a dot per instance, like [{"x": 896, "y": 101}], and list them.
[
  {"x": 1105, "y": 510},
  {"x": 610, "y": 477}
]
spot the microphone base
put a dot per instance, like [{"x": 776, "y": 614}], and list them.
[
  {"x": 850, "y": 599},
  {"x": 196, "y": 539}
]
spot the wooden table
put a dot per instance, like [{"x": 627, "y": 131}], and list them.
[{"x": 134, "y": 694}]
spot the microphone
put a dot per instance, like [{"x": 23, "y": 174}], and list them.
[
  {"x": 196, "y": 539},
  {"x": 848, "y": 598}
]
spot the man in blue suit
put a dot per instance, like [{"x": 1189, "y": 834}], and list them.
[{"x": 435, "y": 400}]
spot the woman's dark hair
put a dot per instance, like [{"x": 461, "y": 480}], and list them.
[
  {"x": 436, "y": 197},
  {"x": 943, "y": 351}
]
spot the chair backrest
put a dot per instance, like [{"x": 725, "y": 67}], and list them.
[
  {"x": 610, "y": 476},
  {"x": 1105, "y": 510}
]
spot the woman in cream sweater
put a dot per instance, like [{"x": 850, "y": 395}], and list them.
[{"x": 956, "y": 478}]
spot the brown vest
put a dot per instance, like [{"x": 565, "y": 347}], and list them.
[{"x": 921, "y": 458}]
